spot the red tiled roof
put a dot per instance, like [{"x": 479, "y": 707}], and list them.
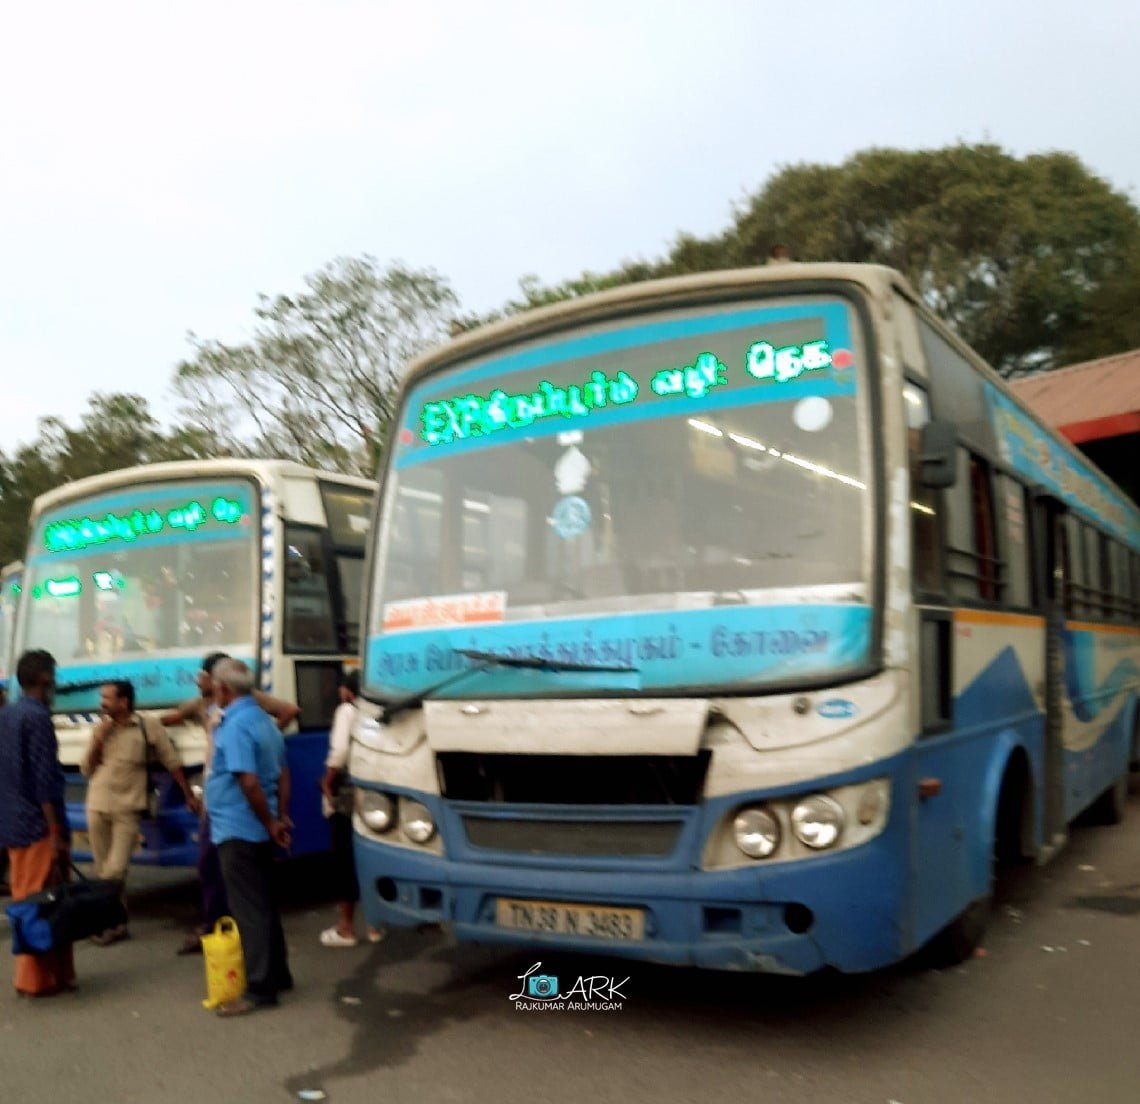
[{"x": 1090, "y": 401}]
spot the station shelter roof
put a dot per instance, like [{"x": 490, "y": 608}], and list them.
[{"x": 1087, "y": 402}]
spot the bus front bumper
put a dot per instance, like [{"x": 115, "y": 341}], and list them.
[{"x": 845, "y": 910}]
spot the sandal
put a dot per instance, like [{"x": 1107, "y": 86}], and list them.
[
  {"x": 376, "y": 934},
  {"x": 331, "y": 937},
  {"x": 111, "y": 935},
  {"x": 191, "y": 945},
  {"x": 242, "y": 1007}
]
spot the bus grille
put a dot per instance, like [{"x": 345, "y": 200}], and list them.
[
  {"x": 596, "y": 838},
  {"x": 573, "y": 779}
]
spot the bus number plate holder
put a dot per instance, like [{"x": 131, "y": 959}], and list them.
[{"x": 562, "y": 918}]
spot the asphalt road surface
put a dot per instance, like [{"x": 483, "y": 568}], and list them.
[{"x": 1049, "y": 1012}]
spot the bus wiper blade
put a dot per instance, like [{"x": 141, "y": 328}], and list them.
[
  {"x": 485, "y": 660},
  {"x": 413, "y": 701},
  {"x": 537, "y": 663}
]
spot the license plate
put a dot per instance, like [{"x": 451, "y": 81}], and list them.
[{"x": 559, "y": 918}]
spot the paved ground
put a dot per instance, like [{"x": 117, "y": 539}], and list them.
[{"x": 1050, "y": 1013}]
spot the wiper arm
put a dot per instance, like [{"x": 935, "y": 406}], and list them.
[
  {"x": 412, "y": 701},
  {"x": 537, "y": 663},
  {"x": 485, "y": 660}
]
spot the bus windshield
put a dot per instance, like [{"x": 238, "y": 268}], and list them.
[
  {"x": 705, "y": 459},
  {"x": 140, "y": 582}
]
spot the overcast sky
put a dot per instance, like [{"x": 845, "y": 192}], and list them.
[{"x": 161, "y": 163}]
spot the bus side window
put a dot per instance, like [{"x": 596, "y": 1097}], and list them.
[
  {"x": 350, "y": 571},
  {"x": 1124, "y": 600},
  {"x": 1015, "y": 541},
  {"x": 1104, "y": 575},
  {"x": 1121, "y": 599},
  {"x": 956, "y": 388},
  {"x": 1094, "y": 588},
  {"x": 309, "y": 624},
  {"x": 926, "y": 549},
  {"x": 1075, "y": 578},
  {"x": 1107, "y": 582},
  {"x": 972, "y": 561}
]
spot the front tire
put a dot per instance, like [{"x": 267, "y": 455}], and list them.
[
  {"x": 963, "y": 935},
  {"x": 1109, "y": 807}
]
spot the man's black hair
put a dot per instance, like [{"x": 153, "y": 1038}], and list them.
[
  {"x": 211, "y": 659},
  {"x": 125, "y": 689},
  {"x": 32, "y": 666},
  {"x": 351, "y": 680}
]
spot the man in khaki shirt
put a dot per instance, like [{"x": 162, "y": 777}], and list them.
[{"x": 115, "y": 765}]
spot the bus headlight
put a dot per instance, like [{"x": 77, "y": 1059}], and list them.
[
  {"x": 416, "y": 821},
  {"x": 375, "y": 809},
  {"x": 818, "y": 822},
  {"x": 757, "y": 832}
]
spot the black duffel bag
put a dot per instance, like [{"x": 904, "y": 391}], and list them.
[{"x": 65, "y": 913}]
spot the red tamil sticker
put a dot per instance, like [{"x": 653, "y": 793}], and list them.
[{"x": 446, "y": 610}]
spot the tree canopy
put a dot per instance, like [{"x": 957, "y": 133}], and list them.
[
  {"x": 116, "y": 431},
  {"x": 317, "y": 381},
  {"x": 1035, "y": 261}
]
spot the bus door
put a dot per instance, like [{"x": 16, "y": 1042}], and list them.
[{"x": 1054, "y": 570}]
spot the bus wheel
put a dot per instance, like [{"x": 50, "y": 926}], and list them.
[
  {"x": 960, "y": 938},
  {"x": 1109, "y": 807}
]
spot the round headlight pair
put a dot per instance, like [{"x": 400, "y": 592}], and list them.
[
  {"x": 757, "y": 832},
  {"x": 817, "y": 822},
  {"x": 416, "y": 821},
  {"x": 378, "y": 811},
  {"x": 375, "y": 809}
]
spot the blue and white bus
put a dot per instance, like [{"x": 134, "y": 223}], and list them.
[
  {"x": 744, "y": 620},
  {"x": 141, "y": 573}
]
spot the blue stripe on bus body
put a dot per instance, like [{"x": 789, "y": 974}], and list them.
[
  {"x": 158, "y": 680},
  {"x": 1088, "y": 697},
  {"x": 725, "y": 644}
]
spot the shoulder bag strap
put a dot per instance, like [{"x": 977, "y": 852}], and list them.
[{"x": 147, "y": 745}]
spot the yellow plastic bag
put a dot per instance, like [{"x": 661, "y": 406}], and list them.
[{"x": 225, "y": 964}]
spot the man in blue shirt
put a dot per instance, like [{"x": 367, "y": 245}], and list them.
[
  {"x": 33, "y": 817},
  {"x": 247, "y": 795}
]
